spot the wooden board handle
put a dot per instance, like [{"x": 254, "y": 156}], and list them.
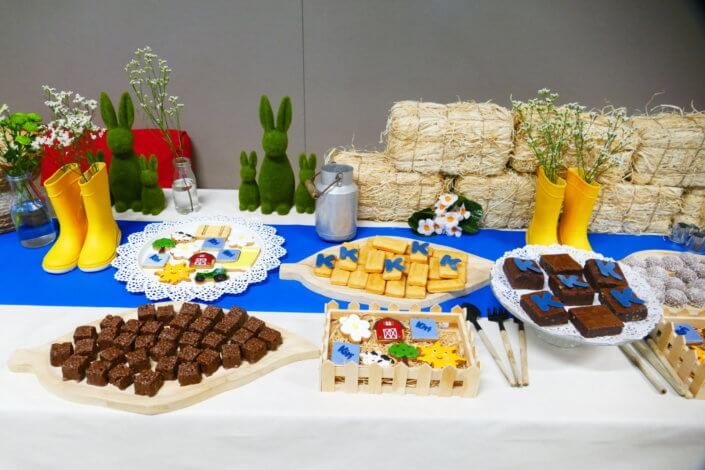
[
  {"x": 293, "y": 271},
  {"x": 21, "y": 361}
]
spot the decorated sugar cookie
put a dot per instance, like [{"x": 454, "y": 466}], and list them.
[
  {"x": 389, "y": 330},
  {"x": 213, "y": 231},
  {"x": 355, "y": 328},
  {"x": 182, "y": 237},
  {"x": 174, "y": 273},
  {"x": 162, "y": 244},
  {"x": 242, "y": 259},
  {"x": 403, "y": 352},
  {"x": 373, "y": 357},
  {"x": 439, "y": 356},
  {"x": 155, "y": 261},
  {"x": 423, "y": 329},
  {"x": 217, "y": 275},
  {"x": 202, "y": 260},
  {"x": 183, "y": 251},
  {"x": 213, "y": 244},
  {"x": 345, "y": 352}
]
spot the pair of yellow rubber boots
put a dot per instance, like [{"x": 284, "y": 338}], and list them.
[
  {"x": 88, "y": 234},
  {"x": 576, "y": 197}
]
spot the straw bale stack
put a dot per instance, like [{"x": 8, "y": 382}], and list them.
[
  {"x": 670, "y": 150},
  {"x": 386, "y": 194},
  {"x": 507, "y": 200},
  {"x": 454, "y": 139},
  {"x": 693, "y": 210}
]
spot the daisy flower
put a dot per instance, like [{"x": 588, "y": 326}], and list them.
[
  {"x": 439, "y": 224},
  {"x": 447, "y": 199},
  {"x": 454, "y": 231},
  {"x": 463, "y": 213},
  {"x": 451, "y": 219},
  {"x": 426, "y": 227},
  {"x": 439, "y": 208}
]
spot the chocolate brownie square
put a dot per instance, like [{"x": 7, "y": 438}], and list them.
[
  {"x": 571, "y": 289},
  {"x": 254, "y": 350},
  {"x": 145, "y": 341},
  {"x": 190, "y": 338},
  {"x": 214, "y": 313},
  {"x": 131, "y": 326},
  {"x": 161, "y": 349},
  {"x": 74, "y": 368},
  {"x": 188, "y": 354},
  {"x": 84, "y": 332},
  {"x": 624, "y": 303},
  {"x": 97, "y": 373},
  {"x": 213, "y": 341},
  {"x": 226, "y": 326},
  {"x": 112, "y": 355},
  {"x": 595, "y": 320},
  {"x": 148, "y": 383},
  {"x": 111, "y": 321},
  {"x": 560, "y": 264},
  {"x": 544, "y": 308},
  {"x": 138, "y": 360},
  {"x": 239, "y": 314},
  {"x": 523, "y": 273},
  {"x": 106, "y": 337},
  {"x": 602, "y": 273},
  {"x": 151, "y": 327},
  {"x": 241, "y": 336},
  {"x": 190, "y": 309},
  {"x": 165, "y": 313},
  {"x": 86, "y": 347},
  {"x": 146, "y": 312},
  {"x": 121, "y": 376},
  {"x": 189, "y": 374},
  {"x": 201, "y": 325},
  {"x": 208, "y": 361},
  {"x": 181, "y": 322},
  {"x": 253, "y": 324},
  {"x": 231, "y": 356},
  {"x": 59, "y": 352},
  {"x": 124, "y": 341},
  {"x": 170, "y": 334},
  {"x": 168, "y": 366},
  {"x": 271, "y": 337}
]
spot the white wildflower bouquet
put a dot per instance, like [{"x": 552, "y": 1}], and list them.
[{"x": 451, "y": 215}]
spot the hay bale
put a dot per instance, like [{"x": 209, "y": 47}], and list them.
[
  {"x": 524, "y": 161},
  {"x": 693, "y": 209},
  {"x": 631, "y": 208},
  {"x": 507, "y": 200},
  {"x": 455, "y": 139},
  {"x": 670, "y": 150},
  {"x": 386, "y": 194}
]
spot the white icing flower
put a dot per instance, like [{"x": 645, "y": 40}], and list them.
[
  {"x": 426, "y": 227},
  {"x": 185, "y": 250},
  {"x": 355, "y": 327}
]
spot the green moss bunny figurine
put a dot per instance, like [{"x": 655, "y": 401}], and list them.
[
  {"x": 248, "y": 193},
  {"x": 307, "y": 170},
  {"x": 153, "y": 201},
  {"x": 124, "y": 177},
  {"x": 276, "y": 177}
]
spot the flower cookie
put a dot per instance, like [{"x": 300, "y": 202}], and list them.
[
  {"x": 439, "y": 356},
  {"x": 355, "y": 328},
  {"x": 185, "y": 250},
  {"x": 174, "y": 273}
]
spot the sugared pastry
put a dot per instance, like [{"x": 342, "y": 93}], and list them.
[
  {"x": 523, "y": 273},
  {"x": 419, "y": 252},
  {"x": 343, "y": 353},
  {"x": 560, "y": 264},
  {"x": 175, "y": 273},
  {"x": 423, "y": 329},
  {"x": 121, "y": 376},
  {"x": 148, "y": 383},
  {"x": 571, "y": 289},
  {"x": 395, "y": 288},
  {"x": 373, "y": 357},
  {"x": 348, "y": 257},
  {"x": 97, "y": 373},
  {"x": 434, "y": 268},
  {"x": 595, "y": 320},
  {"x": 74, "y": 368},
  {"x": 375, "y": 283},
  {"x": 59, "y": 352},
  {"x": 355, "y": 328},
  {"x": 202, "y": 260},
  {"x": 339, "y": 277},
  {"x": 418, "y": 275},
  {"x": 415, "y": 292},
  {"x": 544, "y": 308},
  {"x": 624, "y": 303},
  {"x": 393, "y": 268},
  {"x": 449, "y": 266},
  {"x": 440, "y": 356},
  {"x": 189, "y": 374},
  {"x": 389, "y": 330},
  {"x": 375, "y": 261},
  {"x": 393, "y": 245},
  {"x": 324, "y": 265},
  {"x": 212, "y": 231},
  {"x": 163, "y": 244},
  {"x": 435, "y": 286},
  {"x": 358, "y": 278},
  {"x": 182, "y": 237},
  {"x": 602, "y": 273}
]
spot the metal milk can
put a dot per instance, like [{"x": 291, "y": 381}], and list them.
[{"x": 336, "y": 202}]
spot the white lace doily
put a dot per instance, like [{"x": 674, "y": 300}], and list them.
[
  {"x": 567, "y": 335},
  {"x": 129, "y": 269}
]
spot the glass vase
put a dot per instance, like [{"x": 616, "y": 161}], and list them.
[
  {"x": 30, "y": 213},
  {"x": 184, "y": 188}
]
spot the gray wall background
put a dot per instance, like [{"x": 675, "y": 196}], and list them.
[{"x": 344, "y": 63}]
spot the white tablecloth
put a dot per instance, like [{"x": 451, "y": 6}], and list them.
[{"x": 585, "y": 407}]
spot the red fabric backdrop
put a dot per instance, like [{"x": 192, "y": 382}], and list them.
[{"x": 147, "y": 142}]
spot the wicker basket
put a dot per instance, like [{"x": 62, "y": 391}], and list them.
[{"x": 5, "y": 201}]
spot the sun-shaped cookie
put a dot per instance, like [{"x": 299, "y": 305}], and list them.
[
  {"x": 439, "y": 356},
  {"x": 174, "y": 273}
]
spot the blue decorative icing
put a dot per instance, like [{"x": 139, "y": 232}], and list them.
[
  {"x": 607, "y": 269},
  {"x": 526, "y": 264},
  {"x": 391, "y": 264},
  {"x": 418, "y": 247},
  {"x": 448, "y": 260},
  {"x": 691, "y": 334},
  {"x": 213, "y": 243},
  {"x": 423, "y": 328},
  {"x": 546, "y": 301},
  {"x": 325, "y": 260},
  {"x": 626, "y": 297},
  {"x": 571, "y": 281},
  {"x": 348, "y": 253},
  {"x": 157, "y": 260},
  {"x": 345, "y": 352},
  {"x": 228, "y": 256}
]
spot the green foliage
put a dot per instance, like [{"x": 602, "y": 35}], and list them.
[
  {"x": 403, "y": 351},
  {"x": 276, "y": 178},
  {"x": 18, "y": 132},
  {"x": 248, "y": 194},
  {"x": 153, "y": 201},
  {"x": 302, "y": 198}
]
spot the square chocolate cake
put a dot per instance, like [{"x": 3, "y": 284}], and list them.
[
  {"x": 560, "y": 264},
  {"x": 112, "y": 355},
  {"x": 121, "y": 376},
  {"x": 241, "y": 336},
  {"x": 595, "y": 320},
  {"x": 571, "y": 289},
  {"x": 190, "y": 338},
  {"x": 253, "y": 324},
  {"x": 523, "y": 273},
  {"x": 138, "y": 360},
  {"x": 226, "y": 326},
  {"x": 146, "y": 312},
  {"x": 544, "y": 308},
  {"x": 271, "y": 337},
  {"x": 74, "y": 368},
  {"x": 165, "y": 313},
  {"x": 151, "y": 327},
  {"x": 124, "y": 341},
  {"x": 254, "y": 350},
  {"x": 189, "y": 374},
  {"x": 170, "y": 334},
  {"x": 148, "y": 383},
  {"x": 201, "y": 325},
  {"x": 84, "y": 332},
  {"x": 231, "y": 356},
  {"x": 97, "y": 373},
  {"x": 106, "y": 337},
  {"x": 208, "y": 361},
  {"x": 168, "y": 366},
  {"x": 181, "y": 322},
  {"x": 131, "y": 326},
  {"x": 239, "y": 314},
  {"x": 602, "y": 273},
  {"x": 624, "y": 303},
  {"x": 213, "y": 313},
  {"x": 145, "y": 341},
  {"x": 161, "y": 349},
  {"x": 59, "y": 352},
  {"x": 188, "y": 354},
  {"x": 111, "y": 321},
  {"x": 190, "y": 309},
  {"x": 213, "y": 341},
  {"x": 86, "y": 347}
]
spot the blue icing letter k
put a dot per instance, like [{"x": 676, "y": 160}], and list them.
[
  {"x": 545, "y": 302},
  {"x": 524, "y": 264},
  {"x": 348, "y": 253},
  {"x": 323, "y": 260},
  {"x": 571, "y": 281},
  {"x": 607, "y": 269},
  {"x": 626, "y": 298}
]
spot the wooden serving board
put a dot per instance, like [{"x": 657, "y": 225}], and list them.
[
  {"x": 171, "y": 396},
  {"x": 478, "y": 275},
  {"x": 688, "y": 314}
]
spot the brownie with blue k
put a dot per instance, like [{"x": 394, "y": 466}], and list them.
[
  {"x": 603, "y": 273},
  {"x": 571, "y": 289},
  {"x": 523, "y": 273},
  {"x": 624, "y": 303},
  {"x": 544, "y": 308}
]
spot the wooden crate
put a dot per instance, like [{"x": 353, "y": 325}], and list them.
[
  {"x": 683, "y": 359},
  {"x": 400, "y": 378}
]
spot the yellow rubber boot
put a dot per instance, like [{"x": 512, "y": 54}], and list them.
[
  {"x": 543, "y": 228},
  {"x": 103, "y": 235},
  {"x": 580, "y": 198},
  {"x": 65, "y": 196}
]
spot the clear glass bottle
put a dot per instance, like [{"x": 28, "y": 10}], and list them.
[
  {"x": 184, "y": 187},
  {"x": 30, "y": 213}
]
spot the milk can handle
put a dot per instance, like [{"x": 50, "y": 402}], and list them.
[{"x": 312, "y": 188}]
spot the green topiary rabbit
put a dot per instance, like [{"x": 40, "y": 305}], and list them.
[
  {"x": 302, "y": 198},
  {"x": 276, "y": 177},
  {"x": 125, "y": 185},
  {"x": 249, "y": 191},
  {"x": 153, "y": 201}
]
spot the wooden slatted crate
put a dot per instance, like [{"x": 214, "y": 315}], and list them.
[{"x": 683, "y": 359}]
